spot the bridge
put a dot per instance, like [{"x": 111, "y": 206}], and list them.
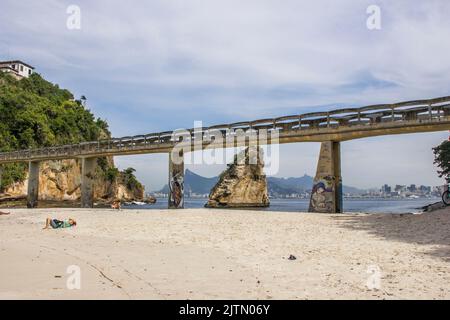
[{"x": 330, "y": 128}]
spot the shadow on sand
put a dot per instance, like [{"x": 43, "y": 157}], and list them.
[{"x": 427, "y": 229}]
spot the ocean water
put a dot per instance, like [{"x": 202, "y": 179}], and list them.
[{"x": 301, "y": 205}]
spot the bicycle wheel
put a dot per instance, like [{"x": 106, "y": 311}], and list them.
[{"x": 446, "y": 198}]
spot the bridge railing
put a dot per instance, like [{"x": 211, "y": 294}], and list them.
[{"x": 419, "y": 110}]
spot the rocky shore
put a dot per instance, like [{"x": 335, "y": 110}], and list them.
[{"x": 60, "y": 181}]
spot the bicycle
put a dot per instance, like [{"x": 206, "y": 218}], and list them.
[{"x": 446, "y": 197}]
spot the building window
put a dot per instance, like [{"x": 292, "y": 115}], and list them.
[
  {"x": 13, "y": 66},
  {"x": 21, "y": 68},
  {"x": 29, "y": 71}
]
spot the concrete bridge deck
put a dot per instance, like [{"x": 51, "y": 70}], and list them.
[{"x": 337, "y": 125}]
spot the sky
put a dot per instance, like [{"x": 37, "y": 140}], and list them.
[{"x": 159, "y": 65}]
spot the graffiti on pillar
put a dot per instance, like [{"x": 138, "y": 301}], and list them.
[
  {"x": 322, "y": 195},
  {"x": 176, "y": 187}
]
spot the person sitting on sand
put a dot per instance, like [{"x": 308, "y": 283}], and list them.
[
  {"x": 56, "y": 224},
  {"x": 115, "y": 205}
]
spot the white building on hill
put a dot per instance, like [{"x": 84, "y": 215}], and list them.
[{"x": 16, "y": 68}]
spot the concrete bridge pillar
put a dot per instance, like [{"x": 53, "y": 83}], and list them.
[
  {"x": 1, "y": 173},
  {"x": 33, "y": 184},
  {"x": 87, "y": 182},
  {"x": 326, "y": 195},
  {"x": 176, "y": 180}
]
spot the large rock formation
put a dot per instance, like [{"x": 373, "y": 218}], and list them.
[
  {"x": 60, "y": 180},
  {"x": 242, "y": 184}
]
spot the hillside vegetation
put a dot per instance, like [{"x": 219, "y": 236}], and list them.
[{"x": 36, "y": 113}]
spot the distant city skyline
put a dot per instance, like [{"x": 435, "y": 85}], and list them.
[
  {"x": 393, "y": 187},
  {"x": 161, "y": 65}
]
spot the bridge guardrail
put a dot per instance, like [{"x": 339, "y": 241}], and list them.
[{"x": 418, "y": 110}]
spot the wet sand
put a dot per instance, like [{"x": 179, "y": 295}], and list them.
[{"x": 220, "y": 254}]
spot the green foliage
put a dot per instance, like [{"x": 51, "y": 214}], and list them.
[
  {"x": 12, "y": 173},
  {"x": 111, "y": 174},
  {"x": 442, "y": 159},
  {"x": 102, "y": 162},
  {"x": 130, "y": 179},
  {"x": 36, "y": 113},
  {"x": 129, "y": 171},
  {"x": 37, "y": 85}
]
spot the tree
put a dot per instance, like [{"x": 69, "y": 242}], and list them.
[
  {"x": 130, "y": 179},
  {"x": 442, "y": 160},
  {"x": 129, "y": 171},
  {"x": 36, "y": 113},
  {"x": 83, "y": 100},
  {"x": 111, "y": 174}
]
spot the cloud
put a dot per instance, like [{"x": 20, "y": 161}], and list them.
[{"x": 158, "y": 65}]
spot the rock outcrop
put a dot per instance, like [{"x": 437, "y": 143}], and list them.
[
  {"x": 242, "y": 184},
  {"x": 149, "y": 199},
  {"x": 434, "y": 206},
  {"x": 60, "y": 180}
]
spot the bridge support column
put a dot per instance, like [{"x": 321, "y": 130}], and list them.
[
  {"x": 176, "y": 180},
  {"x": 33, "y": 184},
  {"x": 1, "y": 173},
  {"x": 87, "y": 182},
  {"x": 326, "y": 195}
]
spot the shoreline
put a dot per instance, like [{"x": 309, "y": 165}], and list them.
[{"x": 21, "y": 201}]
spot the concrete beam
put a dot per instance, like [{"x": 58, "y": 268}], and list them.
[
  {"x": 33, "y": 184},
  {"x": 326, "y": 196},
  {"x": 343, "y": 133},
  {"x": 88, "y": 166},
  {"x": 176, "y": 180}
]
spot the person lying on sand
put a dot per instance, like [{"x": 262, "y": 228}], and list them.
[
  {"x": 115, "y": 205},
  {"x": 56, "y": 224},
  {"x": 3, "y": 213}
]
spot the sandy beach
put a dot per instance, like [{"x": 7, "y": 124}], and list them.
[{"x": 224, "y": 254}]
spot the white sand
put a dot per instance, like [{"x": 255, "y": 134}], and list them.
[{"x": 218, "y": 254}]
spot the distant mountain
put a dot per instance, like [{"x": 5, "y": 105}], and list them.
[
  {"x": 352, "y": 190},
  {"x": 289, "y": 185},
  {"x": 197, "y": 184},
  {"x": 194, "y": 183}
]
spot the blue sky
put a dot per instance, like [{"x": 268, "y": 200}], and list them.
[{"x": 153, "y": 65}]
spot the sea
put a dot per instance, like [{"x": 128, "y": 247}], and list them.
[{"x": 301, "y": 205}]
